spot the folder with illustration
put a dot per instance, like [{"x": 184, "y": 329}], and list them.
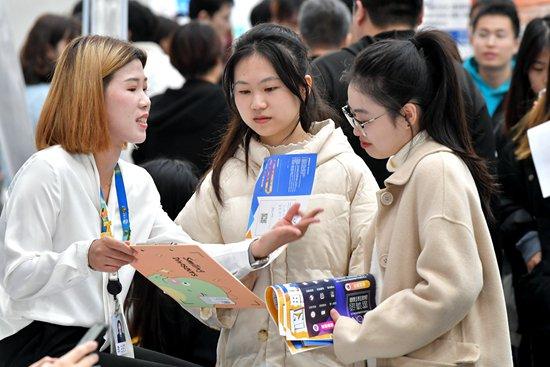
[{"x": 189, "y": 275}]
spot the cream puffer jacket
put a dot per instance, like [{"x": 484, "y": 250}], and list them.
[{"x": 343, "y": 186}]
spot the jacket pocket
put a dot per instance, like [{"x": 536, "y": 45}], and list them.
[{"x": 441, "y": 352}]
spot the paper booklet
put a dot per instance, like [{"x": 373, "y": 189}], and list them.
[
  {"x": 540, "y": 151},
  {"x": 302, "y": 310},
  {"x": 284, "y": 180},
  {"x": 189, "y": 275}
]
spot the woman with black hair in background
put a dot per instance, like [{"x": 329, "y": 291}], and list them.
[
  {"x": 525, "y": 229},
  {"x": 154, "y": 318},
  {"x": 187, "y": 123},
  {"x": 531, "y": 70},
  {"x": 47, "y": 38},
  {"x": 439, "y": 295}
]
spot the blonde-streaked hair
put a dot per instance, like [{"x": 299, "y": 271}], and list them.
[
  {"x": 74, "y": 114},
  {"x": 537, "y": 115}
]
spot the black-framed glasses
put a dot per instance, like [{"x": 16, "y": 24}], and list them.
[{"x": 356, "y": 124}]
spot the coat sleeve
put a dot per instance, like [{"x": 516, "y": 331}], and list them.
[
  {"x": 363, "y": 208},
  {"x": 30, "y": 267}
]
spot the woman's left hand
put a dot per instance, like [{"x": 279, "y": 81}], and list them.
[{"x": 284, "y": 231}]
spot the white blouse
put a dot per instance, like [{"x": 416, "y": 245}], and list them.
[{"x": 47, "y": 226}]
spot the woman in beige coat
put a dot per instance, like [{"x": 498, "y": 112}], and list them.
[
  {"x": 440, "y": 300},
  {"x": 274, "y": 106}
]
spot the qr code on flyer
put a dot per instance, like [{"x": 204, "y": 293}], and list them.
[{"x": 263, "y": 218}]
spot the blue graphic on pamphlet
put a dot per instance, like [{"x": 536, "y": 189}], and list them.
[{"x": 284, "y": 180}]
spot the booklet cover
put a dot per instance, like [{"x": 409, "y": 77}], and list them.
[
  {"x": 302, "y": 310},
  {"x": 284, "y": 180},
  {"x": 190, "y": 276},
  {"x": 540, "y": 151}
]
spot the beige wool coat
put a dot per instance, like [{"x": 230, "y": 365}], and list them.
[
  {"x": 343, "y": 186},
  {"x": 442, "y": 302}
]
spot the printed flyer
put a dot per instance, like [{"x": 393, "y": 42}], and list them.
[
  {"x": 283, "y": 181},
  {"x": 302, "y": 310},
  {"x": 190, "y": 276}
]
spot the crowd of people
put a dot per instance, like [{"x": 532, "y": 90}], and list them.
[{"x": 424, "y": 178}]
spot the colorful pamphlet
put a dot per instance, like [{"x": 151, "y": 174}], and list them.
[
  {"x": 302, "y": 310},
  {"x": 190, "y": 276},
  {"x": 284, "y": 180}
]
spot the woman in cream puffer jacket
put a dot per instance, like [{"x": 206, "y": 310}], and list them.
[{"x": 346, "y": 190}]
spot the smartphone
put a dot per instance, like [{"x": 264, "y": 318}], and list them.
[{"x": 96, "y": 332}]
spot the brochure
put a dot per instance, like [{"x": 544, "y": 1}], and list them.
[
  {"x": 302, "y": 310},
  {"x": 189, "y": 275},
  {"x": 540, "y": 151},
  {"x": 284, "y": 180}
]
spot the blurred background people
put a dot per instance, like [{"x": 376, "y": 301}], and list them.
[
  {"x": 46, "y": 40},
  {"x": 156, "y": 321},
  {"x": 143, "y": 33},
  {"x": 324, "y": 26},
  {"x": 531, "y": 71},
  {"x": 187, "y": 123},
  {"x": 494, "y": 39},
  {"x": 523, "y": 218},
  {"x": 261, "y": 13},
  {"x": 218, "y": 14},
  {"x": 285, "y": 13},
  {"x": 526, "y": 229},
  {"x": 165, "y": 30}
]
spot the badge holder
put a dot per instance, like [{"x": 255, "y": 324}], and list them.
[{"x": 121, "y": 343}]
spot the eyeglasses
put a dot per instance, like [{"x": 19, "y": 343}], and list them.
[{"x": 356, "y": 124}]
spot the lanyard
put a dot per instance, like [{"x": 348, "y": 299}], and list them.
[{"x": 113, "y": 286}]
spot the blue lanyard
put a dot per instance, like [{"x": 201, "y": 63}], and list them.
[{"x": 122, "y": 208}]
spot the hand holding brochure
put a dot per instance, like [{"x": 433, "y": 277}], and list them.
[
  {"x": 302, "y": 310},
  {"x": 190, "y": 276}
]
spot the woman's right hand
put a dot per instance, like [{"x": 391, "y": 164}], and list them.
[
  {"x": 534, "y": 261},
  {"x": 108, "y": 255},
  {"x": 78, "y": 357},
  {"x": 284, "y": 231}
]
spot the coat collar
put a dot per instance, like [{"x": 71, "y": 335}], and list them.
[{"x": 402, "y": 175}]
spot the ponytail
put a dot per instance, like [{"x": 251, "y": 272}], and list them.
[{"x": 423, "y": 70}]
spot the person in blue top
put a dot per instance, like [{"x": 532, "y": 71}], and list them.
[{"x": 495, "y": 40}]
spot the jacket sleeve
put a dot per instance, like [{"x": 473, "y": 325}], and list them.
[
  {"x": 363, "y": 208},
  {"x": 30, "y": 267},
  {"x": 412, "y": 318}
]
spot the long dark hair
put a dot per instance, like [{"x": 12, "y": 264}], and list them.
[
  {"x": 288, "y": 56},
  {"x": 520, "y": 98},
  {"x": 422, "y": 70}
]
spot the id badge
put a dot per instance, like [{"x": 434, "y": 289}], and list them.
[{"x": 120, "y": 338}]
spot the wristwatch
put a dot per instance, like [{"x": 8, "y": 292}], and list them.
[{"x": 256, "y": 263}]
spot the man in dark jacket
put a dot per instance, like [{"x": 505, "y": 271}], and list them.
[{"x": 383, "y": 19}]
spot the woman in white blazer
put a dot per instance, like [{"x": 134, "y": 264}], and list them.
[{"x": 74, "y": 208}]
